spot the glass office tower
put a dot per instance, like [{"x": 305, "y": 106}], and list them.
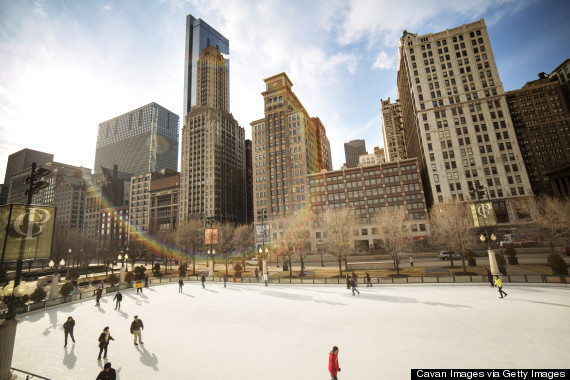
[
  {"x": 198, "y": 36},
  {"x": 141, "y": 141}
]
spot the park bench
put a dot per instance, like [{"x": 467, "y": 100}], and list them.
[{"x": 437, "y": 271}]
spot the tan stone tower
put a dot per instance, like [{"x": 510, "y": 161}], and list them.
[
  {"x": 456, "y": 119},
  {"x": 287, "y": 146},
  {"x": 212, "y": 175}
]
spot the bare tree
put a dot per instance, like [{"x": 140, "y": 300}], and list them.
[
  {"x": 244, "y": 237},
  {"x": 338, "y": 225},
  {"x": 189, "y": 236},
  {"x": 552, "y": 215},
  {"x": 296, "y": 232},
  {"x": 452, "y": 227},
  {"x": 226, "y": 239},
  {"x": 393, "y": 228}
]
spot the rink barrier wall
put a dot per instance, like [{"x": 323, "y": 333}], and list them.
[{"x": 516, "y": 279}]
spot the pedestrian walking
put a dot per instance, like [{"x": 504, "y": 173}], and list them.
[
  {"x": 68, "y": 329},
  {"x": 333, "y": 363},
  {"x": 108, "y": 373},
  {"x": 353, "y": 285},
  {"x": 499, "y": 284},
  {"x": 225, "y": 279},
  {"x": 347, "y": 281},
  {"x": 265, "y": 278},
  {"x": 411, "y": 261},
  {"x": 368, "y": 282},
  {"x": 490, "y": 277},
  {"x": 145, "y": 281},
  {"x": 104, "y": 339},
  {"x": 139, "y": 286},
  {"x": 203, "y": 279},
  {"x": 98, "y": 295},
  {"x": 256, "y": 275},
  {"x": 180, "y": 284},
  {"x": 136, "y": 327},
  {"x": 118, "y": 298}
]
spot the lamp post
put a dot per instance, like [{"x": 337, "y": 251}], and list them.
[
  {"x": 122, "y": 260},
  {"x": 320, "y": 249},
  {"x": 211, "y": 269},
  {"x": 210, "y": 220},
  {"x": 262, "y": 217},
  {"x": 493, "y": 238},
  {"x": 69, "y": 251},
  {"x": 263, "y": 253},
  {"x": 55, "y": 278}
]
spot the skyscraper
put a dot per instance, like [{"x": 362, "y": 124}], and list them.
[
  {"x": 198, "y": 36},
  {"x": 288, "y": 145},
  {"x": 141, "y": 141},
  {"x": 21, "y": 160},
  {"x": 541, "y": 120},
  {"x": 456, "y": 119},
  {"x": 352, "y": 150},
  {"x": 393, "y": 131},
  {"x": 213, "y": 169}
]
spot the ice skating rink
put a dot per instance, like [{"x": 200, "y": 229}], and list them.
[{"x": 248, "y": 331}]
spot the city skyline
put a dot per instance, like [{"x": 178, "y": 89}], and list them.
[{"x": 84, "y": 63}]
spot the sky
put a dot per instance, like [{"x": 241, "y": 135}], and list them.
[{"x": 66, "y": 66}]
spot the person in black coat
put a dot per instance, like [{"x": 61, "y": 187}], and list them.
[
  {"x": 104, "y": 339},
  {"x": 119, "y": 298},
  {"x": 203, "y": 281},
  {"x": 68, "y": 329},
  {"x": 108, "y": 373},
  {"x": 98, "y": 295},
  {"x": 180, "y": 284},
  {"x": 368, "y": 282},
  {"x": 490, "y": 277}
]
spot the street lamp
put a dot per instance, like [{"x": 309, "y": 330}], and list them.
[
  {"x": 320, "y": 249},
  {"x": 493, "y": 238},
  {"x": 210, "y": 220},
  {"x": 263, "y": 253}
]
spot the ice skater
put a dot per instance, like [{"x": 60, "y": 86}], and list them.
[
  {"x": 203, "y": 279},
  {"x": 368, "y": 282},
  {"x": 139, "y": 286},
  {"x": 180, "y": 284},
  {"x": 98, "y": 294},
  {"x": 333, "y": 363},
  {"x": 265, "y": 278},
  {"x": 256, "y": 275},
  {"x": 411, "y": 261},
  {"x": 353, "y": 285},
  {"x": 347, "y": 281},
  {"x": 499, "y": 284},
  {"x": 225, "y": 280},
  {"x": 68, "y": 329},
  {"x": 490, "y": 277},
  {"x": 119, "y": 298},
  {"x": 136, "y": 327},
  {"x": 108, "y": 373},
  {"x": 104, "y": 339}
]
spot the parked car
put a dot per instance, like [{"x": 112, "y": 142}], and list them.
[
  {"x": 445, "y": 255},
  {"x": 253, "y": 261}
]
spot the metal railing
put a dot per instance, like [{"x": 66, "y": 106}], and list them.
[
  {"x": 306, "y": 280},
  {"x": 29, "y": 375}
]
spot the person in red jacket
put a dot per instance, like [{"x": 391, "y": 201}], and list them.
[{"x": 333, "y": 363}]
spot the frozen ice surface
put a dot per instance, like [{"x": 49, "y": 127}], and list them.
[{"x": 248, "y": 331}]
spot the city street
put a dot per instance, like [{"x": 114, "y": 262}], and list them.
[{"x": 286, "y": 332}]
